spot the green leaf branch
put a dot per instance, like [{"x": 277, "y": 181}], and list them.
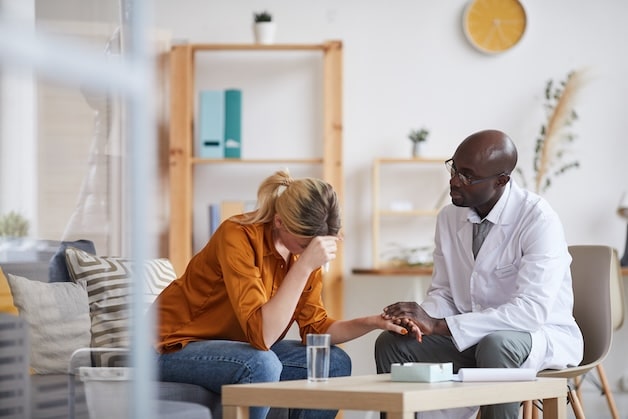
[
  {"x": 262, "y": 17},
  {"x": 418, "y": 135}
]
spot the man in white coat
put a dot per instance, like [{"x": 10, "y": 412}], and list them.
[{"x": 509, "y": 306}]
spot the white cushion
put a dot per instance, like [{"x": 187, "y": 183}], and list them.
[{"x": 58, "y": 319}]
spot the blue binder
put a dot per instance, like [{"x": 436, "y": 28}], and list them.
[{"x": 211, "y": 124}]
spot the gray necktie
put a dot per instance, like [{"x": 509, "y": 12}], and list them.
[{"x": 480, "y": 230}]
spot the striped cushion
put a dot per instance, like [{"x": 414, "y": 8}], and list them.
[{"x": 108, "y": 281}]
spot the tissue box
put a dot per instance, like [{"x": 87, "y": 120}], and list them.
[{"x": 423, "y": 372}]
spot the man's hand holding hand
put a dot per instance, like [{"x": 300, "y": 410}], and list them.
[{"x": 413, "y": 318}]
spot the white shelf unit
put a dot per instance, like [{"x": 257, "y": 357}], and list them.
[{"x": 407, "y": 195}]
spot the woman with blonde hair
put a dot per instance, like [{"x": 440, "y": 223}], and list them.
[{"x": 224, "y": 320}]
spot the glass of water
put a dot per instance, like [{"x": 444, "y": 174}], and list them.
[{"x": 317, "y": 357}]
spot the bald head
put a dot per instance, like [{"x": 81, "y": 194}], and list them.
[{"x": 492, "y": 150}]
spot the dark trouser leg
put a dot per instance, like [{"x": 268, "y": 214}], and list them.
[
  {"x": 394, "y": 348},
  {"x": 506, "y": 349},
  {"x": 498, "y": 350}
]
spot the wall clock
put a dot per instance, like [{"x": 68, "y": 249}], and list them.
[{"x": 494, "y": 26}]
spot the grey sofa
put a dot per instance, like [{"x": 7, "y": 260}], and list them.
[
  {"x": 60, "y": 395},
  {"x": 49, "y": 394},
  {"x": 50, "y": 397}
]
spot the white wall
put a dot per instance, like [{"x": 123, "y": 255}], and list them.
[{"x": 407, "y": 64}]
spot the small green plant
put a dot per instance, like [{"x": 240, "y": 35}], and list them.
[
  {"x": 13, "y": 225},
  {"x": 399, "y": 255},
  {"x": 418, "y": 135},
  {"x": 262, "y": 17}
]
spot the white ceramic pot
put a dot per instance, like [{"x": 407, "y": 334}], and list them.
[
  {"x": 264, "y": 32},
  {"x": 416, "y": 149}
]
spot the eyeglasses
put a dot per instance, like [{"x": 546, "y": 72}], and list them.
[{"x": 466, "y": 180}]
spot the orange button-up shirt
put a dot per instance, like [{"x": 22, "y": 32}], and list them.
[{"x": 225, "y": 285}]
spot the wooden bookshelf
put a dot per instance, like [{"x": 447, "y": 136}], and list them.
[
  {"x": 183, "y": 161},
  {"x": 410, "y": 271}
]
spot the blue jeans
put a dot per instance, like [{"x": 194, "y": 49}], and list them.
[{"x": 213, "y": 363}]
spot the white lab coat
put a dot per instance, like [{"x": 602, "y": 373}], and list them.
[{"x": 520, "y": 280}]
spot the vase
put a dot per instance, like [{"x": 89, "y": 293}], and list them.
[
  {"x": 264, "y": 32},
  {"x": 416, "y": 149}
]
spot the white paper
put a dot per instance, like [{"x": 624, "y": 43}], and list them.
[{"x": 495, "y": 374}]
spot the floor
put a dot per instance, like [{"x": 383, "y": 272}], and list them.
[{"x": 596, "y": 407}]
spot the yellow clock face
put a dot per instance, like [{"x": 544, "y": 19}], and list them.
[{"x": 494, "y": 26}]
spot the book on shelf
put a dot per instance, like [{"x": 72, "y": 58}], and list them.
[
  {"x": 225, "y": 209},
  {"x": 211, "y": 124},
  {"x": 230, "y": 208},
  {"x": 214, "y": 218},
  {"x": 233, "y": 123},
  {"x": 220, "y": 124}
]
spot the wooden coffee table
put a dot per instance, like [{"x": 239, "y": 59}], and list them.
[{"x": 398, "y": 399}]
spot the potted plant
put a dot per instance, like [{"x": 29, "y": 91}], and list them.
[
  {"x": 13, "y": 230},
  {"x": 13, "y": 225},
  {"x": 417, "y": 137},
  {"x": 264, "y": 27}
]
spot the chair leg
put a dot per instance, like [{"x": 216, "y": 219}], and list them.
[
  {"x": 535, "y": 412},
  {"x": 607, "y": 392},
  {"x": 527, "y": 409},
  {"x": 578, "y": 387},
  {"x": 572, "y": 396}
]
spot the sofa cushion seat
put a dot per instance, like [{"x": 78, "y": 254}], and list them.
[
  {"x": 185, "y": 392},
  {"x": 50, "y": 396}
]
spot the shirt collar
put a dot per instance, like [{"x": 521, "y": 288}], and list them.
[{"x": 495, "y": 213}]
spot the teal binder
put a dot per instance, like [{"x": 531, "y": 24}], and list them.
[
  {"x": 211, "y": 124},
  {"x": 233, "y": 123}
]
